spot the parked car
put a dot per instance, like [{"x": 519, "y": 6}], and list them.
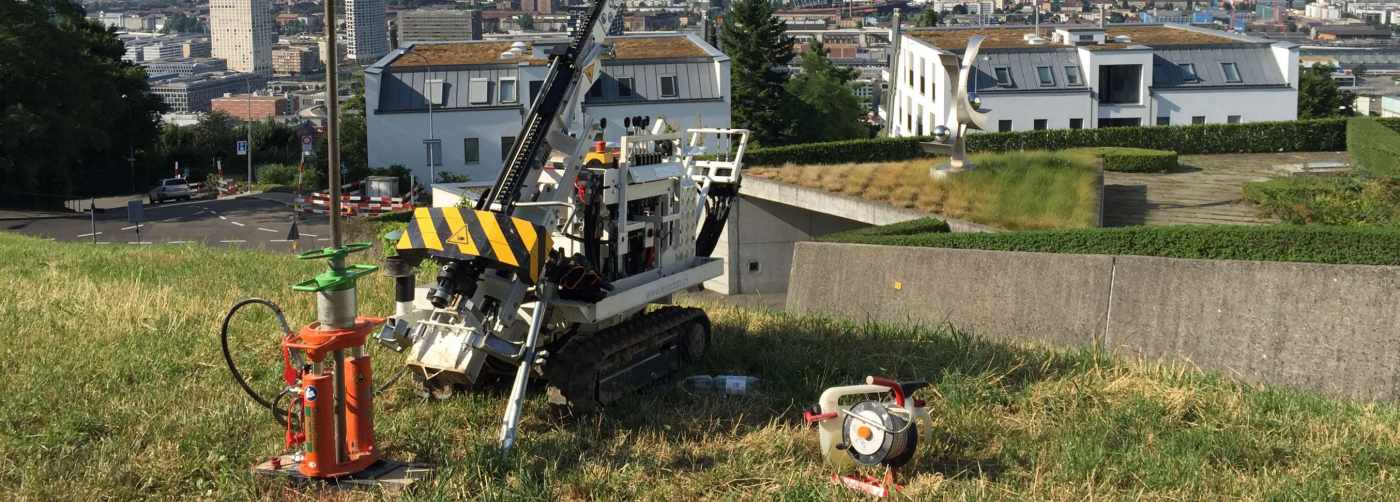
[{"x": 171, "y": 189}]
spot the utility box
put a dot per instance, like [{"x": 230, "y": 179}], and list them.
[{"x": 382, "y": 186}]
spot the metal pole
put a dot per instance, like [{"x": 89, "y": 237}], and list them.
[
  {"x": 92, "y": 211},
  {"x": 249, "y": 85},
  {"x": 333, "y": 130}
]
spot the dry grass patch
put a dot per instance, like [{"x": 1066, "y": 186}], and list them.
[{"x": 1021, "y": 190}]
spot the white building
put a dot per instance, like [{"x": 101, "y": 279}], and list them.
[
  {"x": 1321, "y": 10},
  {"x": 241, "y": 32},
  {"x": 366, "y": 30},
  {"x": 1085, "y": 77},
  {"x": 479, "y": 98}
]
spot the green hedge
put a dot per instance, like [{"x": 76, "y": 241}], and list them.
[
  {"x": 1374, "y": 147},
  {"x": 911, "y": 227},
  {"x": 1254, "y": 137},
  {"x": 1135, "y": 160},
  {"x": 1317, "y": 244}
]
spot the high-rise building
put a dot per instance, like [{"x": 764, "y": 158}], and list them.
[
  {"x": 242, "y": 34},
  {"x": 366, "y": 30}
]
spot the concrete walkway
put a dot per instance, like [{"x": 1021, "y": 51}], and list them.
[{"x": 1206, "y": 189}]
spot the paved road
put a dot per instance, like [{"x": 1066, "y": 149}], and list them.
[{"x": 243, "y": 222}]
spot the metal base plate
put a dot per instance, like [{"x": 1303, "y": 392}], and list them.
[{"x": 382, "y": 474}]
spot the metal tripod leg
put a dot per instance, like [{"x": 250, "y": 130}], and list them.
[{"x": 516, "y": 403}]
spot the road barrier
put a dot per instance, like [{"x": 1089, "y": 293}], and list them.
[{"x": 356, "y": 205}]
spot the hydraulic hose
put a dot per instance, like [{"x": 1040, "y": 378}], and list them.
[{"x": 278, "y": 415}]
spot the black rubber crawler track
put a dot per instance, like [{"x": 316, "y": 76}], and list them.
[{"x": 576, "y": 368}]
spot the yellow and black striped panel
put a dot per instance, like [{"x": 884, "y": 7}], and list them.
[{"x": 463, "y": 233}]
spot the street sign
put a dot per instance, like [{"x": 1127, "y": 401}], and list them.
[
  {"x": 242, "y": 147},
  {"x": 307, "y": 148},
  {"x": 134, "y": 212}
]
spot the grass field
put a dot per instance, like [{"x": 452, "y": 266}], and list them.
[
  {"x": 1019, "y": 190},
  {"x": 113, "y": 389}
]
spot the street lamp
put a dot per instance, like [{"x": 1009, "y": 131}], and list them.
[{"x": 432, "y": 141}]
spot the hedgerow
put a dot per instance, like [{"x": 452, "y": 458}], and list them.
[
  {"x": 1294, "y": 243},
  {"x": 1255, "y": 137}
]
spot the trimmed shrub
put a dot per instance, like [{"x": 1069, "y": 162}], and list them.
[
  {"x": 911, "y": 227},
  {"x": 1329, "y": 200},
  {"x": 286, "y": 175},
  {"x": 1316, "y": 244},
  {"x": 1135, "y": 160},
  {"x": 1374, "y": 147},
  {"x": 1255, "y": 137}
]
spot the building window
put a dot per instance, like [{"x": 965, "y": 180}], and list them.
[
  {"x": 625, "y": 86},
  {"x": 434, "y": 151},
  {"x": 668, "y": 86},
  {"x": 506, "y": 143},
  {"x": 1232, "y": 72},
  {"x": 437, "y": 92},
  {"x": 507, "y": 91},
  {"x": 535, "y": 86},
  {"x": 1232, "y": 119},
  {"x": 1198, "y": 119},
  {"x": 1188, "y": 72},
  {"x": 1076, "y": 123},
  {"x": 471, "y": 150},
  {"x": 1072, "y": 76},
  {"x": 1004, "y": 76},
  {"x": 1164, "y": 120},
  {"x": 597, "y": 90},
  {"x": 1040, "y": 124},
  {"x": 922, "y": 88},
  {"x": 1047, "y": 76},
  {"x": 1118, "y": 84},
  {"x": 1003, "y": 125},
  {"x": 477, "y": 92}
]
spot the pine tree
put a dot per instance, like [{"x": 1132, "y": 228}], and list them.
[
  {"x": 758, "y": 46},
  {"x": 825, "y": 104}
]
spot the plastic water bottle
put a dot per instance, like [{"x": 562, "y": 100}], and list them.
[{"x": 733, "y": 385}]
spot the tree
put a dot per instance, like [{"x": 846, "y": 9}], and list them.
[
  {"x": 927, "y": 18},
  {"x": 960, "y": 10},
  {"x": 1319, "y": 96},
  {"x": 71, "y": 111},
  {"x": 526, "y": 22},
  {"x": 759, "y": 47},
  {"x": 825, "y": 106},
  {"x": 180, "y": 23}
]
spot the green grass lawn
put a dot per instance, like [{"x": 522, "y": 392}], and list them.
[
  {"x": 113, "y": 389},
  {"x": 1016, "y": 190}
]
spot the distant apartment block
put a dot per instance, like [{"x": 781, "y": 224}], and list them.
[
  {"x": 1334, "y": 33},
  {"x": 479, "y": 92},
  {"x": 148, "y": 47},
  {"x": 242, "y": 34},
  {"x": 251, "y": 108},
  {"x": 194, "y": 94},
  {"x": 130, "y": 22},
  {"x": 1085, "y": 77},
  {"x": 184, "y": 67},
  {"x": 196, "y": 48},
  {"x": 296, "y": 59},
  {"x": 438, "y": 25},
  {"x": 366, "y": 30}
]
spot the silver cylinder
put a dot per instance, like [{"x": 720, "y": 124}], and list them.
[{"x": 336, "y": 309}]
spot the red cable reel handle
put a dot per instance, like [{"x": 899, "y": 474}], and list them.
[{"x": 900, "y": 389}]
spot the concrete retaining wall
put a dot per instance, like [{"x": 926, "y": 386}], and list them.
[{"x": 1331, "y": 328}]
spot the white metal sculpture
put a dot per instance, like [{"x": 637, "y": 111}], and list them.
[{"x": 966, "y": 114}]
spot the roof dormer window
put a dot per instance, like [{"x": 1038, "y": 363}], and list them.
[
  {"x": 1003, "y": 74},
  {"x": 1232, "y": 72},
  {"x": 1188, "y": 72}
]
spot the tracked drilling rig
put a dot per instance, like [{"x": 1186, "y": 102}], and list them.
[{"x": 552, "y": 270}]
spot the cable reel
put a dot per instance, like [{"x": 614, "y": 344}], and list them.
[{"x": 875, "y": 433}]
